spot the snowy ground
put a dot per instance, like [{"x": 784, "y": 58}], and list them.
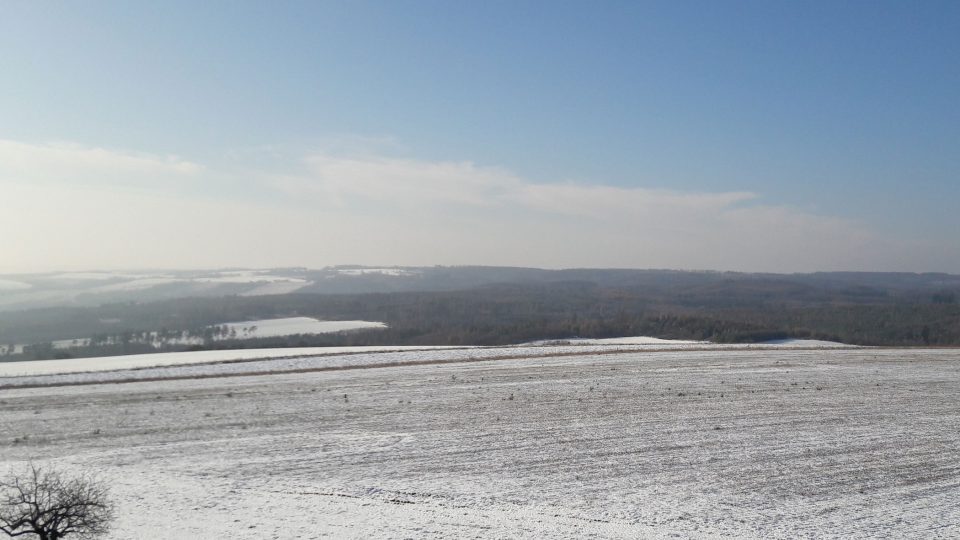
[
  {"x": 375, "y": 271},
  {"x": 689, "y": 443},
  {"x": 247, "y": 361},
  {"x": 260, "y": 328},
  {"x": 174, "y": 364},
  {"x": 291, "y": 326},
  {"x": 632, "y": 340}
]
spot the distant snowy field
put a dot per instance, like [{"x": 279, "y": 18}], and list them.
[
  {"x": 141, "y": 362},
  {"x": 261, "y": 328},
  {"x": 221, "y": 362},
  {"x": 686, "y": 442},
  {"x": 291, "y": 326},
  {"x": 377, "y": 271}
]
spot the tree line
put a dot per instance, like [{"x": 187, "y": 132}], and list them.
[{"x": 501, "y": 314}]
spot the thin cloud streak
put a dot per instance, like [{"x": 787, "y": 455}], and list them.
[{"x": 57, "y": 162}]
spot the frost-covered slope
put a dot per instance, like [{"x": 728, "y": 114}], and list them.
[
  {"x": 771, "y": 443},
  {"x": 250, "y": 361}
]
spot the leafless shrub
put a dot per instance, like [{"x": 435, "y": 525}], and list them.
[{"x": 51, "y": 505}]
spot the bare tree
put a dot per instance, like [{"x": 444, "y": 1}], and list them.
[{"x": 51, "y": 505}]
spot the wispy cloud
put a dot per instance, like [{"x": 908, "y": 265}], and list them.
[
  {"x": 402, "y": 182},
  {"x": 70, "y": 162},
  {"x": 63, "y": 210}
]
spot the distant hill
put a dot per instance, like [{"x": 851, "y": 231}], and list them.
[
  {"x": 479, "y": 305},
  {"x": 26, "y": 291}
]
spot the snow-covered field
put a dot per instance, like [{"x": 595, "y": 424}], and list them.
[
  {"x": 135, "y": 284},
  {"x": 633, "y": 340},
  {"x": 261, "y": 328},
  {"x": 792, "y": 342},
  {"x": 249, "y": 276},
  {"x": 248, "y": 361},
  {"x": 291, "y": 326},
  {"x": 172, "y": 364},
  {"x": 277, "y": 287},
  {"x": 692, "y": 443},
  {"x": 377, "y": 271},
  {"x": 646, "y": 340}
]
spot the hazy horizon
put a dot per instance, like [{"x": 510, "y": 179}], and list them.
[
  {"x": 134, "y": 272},
  {"x": 742, "y": 136}
]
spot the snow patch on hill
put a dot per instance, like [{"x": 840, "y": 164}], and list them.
[
  {"x": 791, "y": 342},
  {"x": 277, "y": 287},
  {"x": 376, "y": 271},
  {"x": 291, "y": 326},
  {"x": 630, "y": 340}
]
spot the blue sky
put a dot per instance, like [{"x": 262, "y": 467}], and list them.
[{"x": 839, "y": 119}]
